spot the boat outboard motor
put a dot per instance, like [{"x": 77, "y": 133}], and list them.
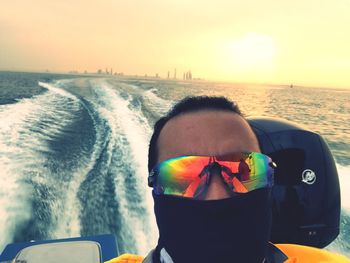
[{"x": 306, "y": 194}]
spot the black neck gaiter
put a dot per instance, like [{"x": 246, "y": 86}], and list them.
[{"x": 230, "y": 230}]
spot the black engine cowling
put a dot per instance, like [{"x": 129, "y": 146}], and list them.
[{"x": 306, "y": 194}]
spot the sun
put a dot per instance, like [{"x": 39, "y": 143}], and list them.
[{"x": 252, "y": 50}]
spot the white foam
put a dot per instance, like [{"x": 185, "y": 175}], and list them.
[
  {"x": 161, "y": 106},
  {"x": 57, "y": 90},
  {"x": 23, "y": 142},
  {"x": 341, "y": 243},
  {"x": 136, "y": 130},
  {"x": 69, "y": 224},
  {"x": 69, "y": 219},
  {"x": 13, "y": 205},
  {"x": 344, "y": 181}
]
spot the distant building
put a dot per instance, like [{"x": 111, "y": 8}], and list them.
[
  {"x": 188, "y": 75},
  {"x": 175, "y": 74},
  {"x": 168, "y": 74}
]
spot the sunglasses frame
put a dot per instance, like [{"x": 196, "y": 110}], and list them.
[{"x": 153, "y": 175}]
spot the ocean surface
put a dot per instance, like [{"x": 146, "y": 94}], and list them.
[{"x": 73, "y": 150}]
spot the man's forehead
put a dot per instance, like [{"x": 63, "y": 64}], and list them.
[{"x": 205, "y": 132}]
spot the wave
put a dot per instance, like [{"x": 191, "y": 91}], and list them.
[
  {"x": 30, "y": 155},
  {"x": 342, "y": 243},
  {"x": 344, "y": 181},
  {"x": 112, "y": 190},
  {"x": 59, "y": 91},
  {"x": 157, "y": 104},
  {"x": 76, "y": 165},
  {"x": 128, "y": 154}
]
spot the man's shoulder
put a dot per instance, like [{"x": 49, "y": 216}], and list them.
[
  {"x": 126, "y": 258},
  {"x": 301, "y": 254}
]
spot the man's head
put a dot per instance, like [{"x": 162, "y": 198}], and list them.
[
  {"x": 208, "y": 126},
  {"x": 201, "y": 126}
]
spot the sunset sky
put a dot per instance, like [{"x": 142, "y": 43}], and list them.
[{"x": 279, "y": 42}]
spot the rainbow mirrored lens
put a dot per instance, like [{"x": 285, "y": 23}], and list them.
[{"x": 189, "y": 176}]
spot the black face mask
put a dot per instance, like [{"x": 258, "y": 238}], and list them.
[{"x": 236, "y": 229}]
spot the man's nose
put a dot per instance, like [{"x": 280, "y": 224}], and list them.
[{"x": 217, "y": 189}]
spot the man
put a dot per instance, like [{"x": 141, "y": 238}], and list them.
[{"x": 221, "y": 218}]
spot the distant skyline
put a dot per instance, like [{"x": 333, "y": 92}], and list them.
[{"x": 277, "y": 42}]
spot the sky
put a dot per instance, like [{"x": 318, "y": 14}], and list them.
[{"x": 279, "y": 42}]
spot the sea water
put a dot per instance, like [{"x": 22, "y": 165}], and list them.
[{"x": 73, "y": 150}]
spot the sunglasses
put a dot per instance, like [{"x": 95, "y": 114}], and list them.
[{"x": 190, "y": 176}]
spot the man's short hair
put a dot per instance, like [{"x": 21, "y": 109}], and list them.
[{"x": 186, "y": 105}]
